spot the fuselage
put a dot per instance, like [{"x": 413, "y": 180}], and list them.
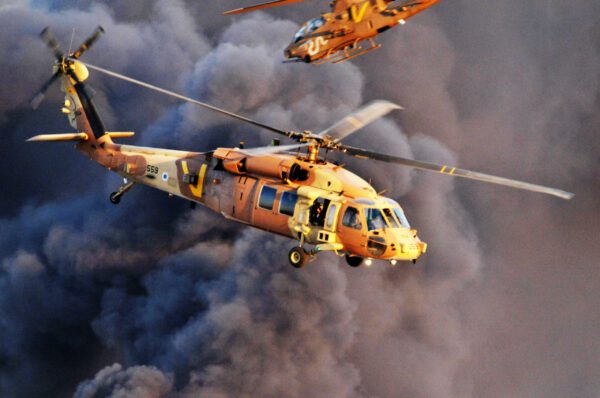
[
  {"x": 350, "y": 23},
  {"x": 303, "y": 198},
  {"x": 321, "y": 203}
]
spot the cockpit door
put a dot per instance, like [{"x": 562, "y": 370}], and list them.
[{"x": 351, "y": 229}]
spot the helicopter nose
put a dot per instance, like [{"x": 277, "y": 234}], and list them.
[
  {"x": 287, "y": 54},
  {"x": 412, "y": 250},
  {"x": 407, "y": 245}
]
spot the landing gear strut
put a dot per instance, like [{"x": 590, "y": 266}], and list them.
[{"x": 115, "y": 197}]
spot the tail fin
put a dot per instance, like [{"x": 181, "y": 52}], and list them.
[{"x": 78, "y": 106}]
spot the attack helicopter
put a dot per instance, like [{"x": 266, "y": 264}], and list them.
[
  {"x": 336, "y": 36},
  {"x": 288, "y": 190}
]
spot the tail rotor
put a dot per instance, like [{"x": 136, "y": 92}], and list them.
[{"x": 63, "y": 62}]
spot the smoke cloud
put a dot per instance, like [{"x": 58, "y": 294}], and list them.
[{"x": 152, "y": 299}]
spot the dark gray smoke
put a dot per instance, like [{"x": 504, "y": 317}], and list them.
[{"x": 150, "y": 299}]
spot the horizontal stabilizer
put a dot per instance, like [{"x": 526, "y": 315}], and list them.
[
  {"x": 77, "y": 136},
  {"x": 59, "y": 137},
  {"x": 120, "y": 134}
]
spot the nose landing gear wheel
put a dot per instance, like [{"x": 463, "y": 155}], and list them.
[
  {"x": 354, "y": 261},
  {"x": 298, "y": 257}
]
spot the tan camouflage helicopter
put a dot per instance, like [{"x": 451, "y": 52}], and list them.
[
  {"x": 336, "y": 36},
  {"x": 298, "y": 195}
]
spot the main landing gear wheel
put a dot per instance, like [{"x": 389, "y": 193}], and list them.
[
  {"x": 354, "y": 261},
  {"x": 298, "y": 257},
  {"x": 115, "y": 198}
]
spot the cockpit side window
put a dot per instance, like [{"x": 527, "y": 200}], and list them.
[
  {"x": 375, "y": 219},
  {"x": 400, "y": 214},
  {"x": 351, "y": 218}
]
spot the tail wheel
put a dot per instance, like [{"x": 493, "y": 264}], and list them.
[
  {"x": 115, "y": 198},
  {"x": 354, "y": 261},
  {"x": 298, "y": 257},
  {"x": 307, "y": 59}
]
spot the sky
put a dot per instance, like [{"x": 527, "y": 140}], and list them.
[{"x": 153, "y": 299}]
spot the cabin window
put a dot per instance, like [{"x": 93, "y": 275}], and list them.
[
  {"x": 287, "y": 203},
  {"x": 267, "y": 197},
  {"x": 331, "y": 215},
  {"x": 352, "y": 218},
  {"x": 375, "y": 219}
]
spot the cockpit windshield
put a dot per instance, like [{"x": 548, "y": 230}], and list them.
[
  {"x": 400, "y": 214},
  {"x": 389, "y": 216},
  {"x": 300, "y": 34},
  {"x": 310, "y": 27}
]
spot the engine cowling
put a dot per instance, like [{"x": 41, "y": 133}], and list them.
[{"x": 273, "y": 166}]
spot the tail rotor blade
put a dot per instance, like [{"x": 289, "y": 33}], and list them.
[
  {"x": 88, "y": 43},
  {"x": 39, "y": 97},
  {"x": 48, "y": 38}
]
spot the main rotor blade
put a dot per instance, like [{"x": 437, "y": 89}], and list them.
[
  {"x": 413, "y": 7},
  {"x": 89, "y": 42},
  {"x": 261, "y": 6},
  {"x": 269, "y": 150},
  {"x": 188, "y": 99},
  {"x": 359, "y": 119},
  {"x": 39, "y": 97},
  {"x": 48, "y": 38},
  {"x": 455, "y": 172}
]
